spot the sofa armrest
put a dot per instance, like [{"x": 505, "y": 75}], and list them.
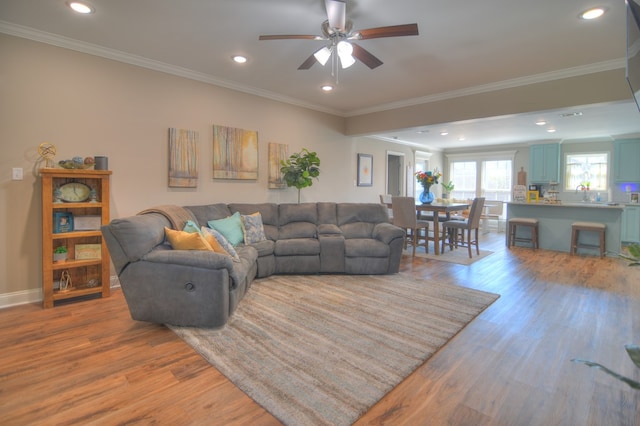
[
  {"x": 196, "y": 258},
  {"x": 329, "y": 229},
  {"x": 387, "y": 232}
]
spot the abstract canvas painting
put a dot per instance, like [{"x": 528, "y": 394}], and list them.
[
  {"x": 277, "y": 153},
  {"x": 183, "y": 158},
  {"x": 235, "y": 153},
  {"x": 365, "y": 170}
]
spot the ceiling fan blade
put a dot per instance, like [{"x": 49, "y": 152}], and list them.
[
  {"x": 336, "y": 13},
  {"x": 290, "y": 37},
  {"x": 392, "y": 31},
  {"x": 308, "y": 63},
  {"x": 364, "y": 56}
]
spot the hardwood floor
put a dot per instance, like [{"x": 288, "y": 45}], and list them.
[{"x": 88, "y": 362}]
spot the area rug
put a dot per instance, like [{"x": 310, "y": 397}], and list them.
[
  {"x": 459, "y": 255},
  {"x": 323, "y": 349}
]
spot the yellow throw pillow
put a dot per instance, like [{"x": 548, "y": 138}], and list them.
[{"x": 181, "y": 240}]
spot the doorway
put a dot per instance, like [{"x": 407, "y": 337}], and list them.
[{"x": 395, "y": 175}]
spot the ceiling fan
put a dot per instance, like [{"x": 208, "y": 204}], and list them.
[{"x": 338, "y": 31}]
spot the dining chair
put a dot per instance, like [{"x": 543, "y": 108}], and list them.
[
  {"x": 494, "y": 212},
  {"x": 405, "y": 217},
  {"x": 457, "y": 239},
  {"x": 386, "y": 200}
]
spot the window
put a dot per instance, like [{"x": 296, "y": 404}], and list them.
[
  {"x": 463, "y": 175},
  {"x": 589, "y": 170},
  {"x": 486, "y": 174},
  {"x": 497, "y": 180}
]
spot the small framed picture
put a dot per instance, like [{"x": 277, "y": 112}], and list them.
[
  {"x": 365, "y": 170},
  {"x": 635, "y": 197},
  {"x": 62, "y": 222},
  {"x": 532, "y": 196},
  {"x": 88, "y": 251}
]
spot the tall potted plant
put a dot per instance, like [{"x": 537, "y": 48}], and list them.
[{"x": 300, "y": 169}]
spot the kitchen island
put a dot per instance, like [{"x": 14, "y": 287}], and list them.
[{"x": 554, "y": 223}]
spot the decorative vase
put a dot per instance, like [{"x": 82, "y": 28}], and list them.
[{"x": 427, "y": 196}]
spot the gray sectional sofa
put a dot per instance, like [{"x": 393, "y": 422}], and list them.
[{"x": 203, "y": 288}]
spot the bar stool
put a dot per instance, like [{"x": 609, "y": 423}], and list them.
[
  {"x": 576, "y": 227},
  {"x": 532, "y": 224}
]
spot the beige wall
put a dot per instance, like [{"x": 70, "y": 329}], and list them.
[{"x": 87, "y": 106}]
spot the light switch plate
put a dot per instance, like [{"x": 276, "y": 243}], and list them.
[{"x": 17, "y": 173}]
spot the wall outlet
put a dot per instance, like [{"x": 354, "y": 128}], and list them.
[{"x": 17, "y": 173}]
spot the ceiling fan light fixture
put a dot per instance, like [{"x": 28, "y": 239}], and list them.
[
  {"x": 345, "y": 51},
  {"x": 323, "y": 55}
]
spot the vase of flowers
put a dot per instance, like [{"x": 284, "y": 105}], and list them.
[{"x": 427, "y": 179}]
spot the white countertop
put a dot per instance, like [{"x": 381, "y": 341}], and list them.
[{"x": 574, "y": 204}]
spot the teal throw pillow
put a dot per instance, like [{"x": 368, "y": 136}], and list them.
[
  {"x": 191, "y": 227},
  {"x": 230, "y": 227},
  {"x": 252, "y": 228}
]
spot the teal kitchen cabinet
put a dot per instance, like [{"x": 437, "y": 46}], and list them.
[
  {"x": 626, "y": 160},
  {"x": 631, "y": 224},
  {"x": 544, "y": 163}
]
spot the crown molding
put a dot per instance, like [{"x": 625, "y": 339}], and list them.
[
  {"x": 116, "y": 55},
  {"x": 500, "y": 85}
]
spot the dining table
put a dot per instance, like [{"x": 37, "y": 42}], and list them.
[{"x": 438, "y": 208}]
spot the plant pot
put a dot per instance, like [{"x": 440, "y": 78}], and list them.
[{"x": 59, "y": 257}]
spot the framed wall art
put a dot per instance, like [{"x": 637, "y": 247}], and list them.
[
  {"x": 183, "y": 158},
  {"x": 365, "y": 170},
  {"x": 235, "y": 153},
  {"x": 532, "y": 196},
  {"x": 277, "y": 153},
  {"x": 635, "y": 197}
]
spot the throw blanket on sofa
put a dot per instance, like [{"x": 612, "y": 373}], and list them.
[{"x": 177, "y": 215}]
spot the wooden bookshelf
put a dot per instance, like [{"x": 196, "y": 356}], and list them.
[{"x": 88, "y": 276}]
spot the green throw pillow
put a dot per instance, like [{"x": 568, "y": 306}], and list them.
[{"x": 230, "y": 227}]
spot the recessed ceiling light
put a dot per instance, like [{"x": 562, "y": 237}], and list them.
[
  {"x": 444, "y": 133},
  {"x": 540, "y": 123},
  {"x": 327, "y": 88},
  {"x": 461, "y": 138},
  {"x": 81, "y": 7},
  {"x": 593, "y": 13},
  {"x": 240, "y": 59},
  {"x": 551, "y": 130}
]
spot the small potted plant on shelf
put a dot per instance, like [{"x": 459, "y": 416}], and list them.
[{"x": 60, "y": 254}]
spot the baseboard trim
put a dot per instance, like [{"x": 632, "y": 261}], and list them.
[
  {"x": 16, "y": 298},
  {"x": 24, "y": 297}
]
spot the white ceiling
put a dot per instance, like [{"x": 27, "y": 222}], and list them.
[{"x": 461, "y": 45}]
